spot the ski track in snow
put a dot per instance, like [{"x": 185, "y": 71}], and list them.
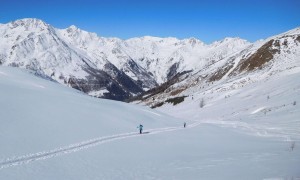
[
  {"x": 258, "y": 110},
  {"x": 255, "y": 130},
  {"x": 25, "y": 159},
  {"x": 2, "y": 73},
  {"x": 39, "y": 86},
  {"x": 151, "y": 112}
]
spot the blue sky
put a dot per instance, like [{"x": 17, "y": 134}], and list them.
[{"x": 207, "y": 20}]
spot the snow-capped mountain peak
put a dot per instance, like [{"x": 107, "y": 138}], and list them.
[
  {"x": 230, "y": 41},
  {"x": 29, "y": 24},
  {"x": 72, "y": 28},
  {"x": 193, "y": 42}
]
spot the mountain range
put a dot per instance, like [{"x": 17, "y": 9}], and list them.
[{"x": 147, "y": 67}]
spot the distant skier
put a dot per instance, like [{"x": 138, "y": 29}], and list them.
[
  {"x": 140, "y": 128},
  {"x": 184, "y": 124}
]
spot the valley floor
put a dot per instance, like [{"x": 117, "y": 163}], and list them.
[{"x": 200, "y": 152}]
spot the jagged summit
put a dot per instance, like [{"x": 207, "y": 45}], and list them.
[
  {"x": 29, "y": 23},
  {"x": 193, "y": 42},
  {"x": 73, "y": 27}
]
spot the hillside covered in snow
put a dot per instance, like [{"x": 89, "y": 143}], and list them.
[
  {"x": 274, "y": 58},
  {"x": 49, "y": 131}
]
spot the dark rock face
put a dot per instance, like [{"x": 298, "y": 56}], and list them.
[
  {"x": 220, "y": 73},
  {"x": 2, "y": 58},
  {"x": 161, "y": 88},
  {"x": 172, "y": 71},
  {"x": 145, "y": 79},
  {"x": 263, "y": 55},
  {"x": 122, "y": 79},
  {"x": 119, "y": 86},
  {"x": 298, "y": 39},
  {"x": 174, "y": 101}
]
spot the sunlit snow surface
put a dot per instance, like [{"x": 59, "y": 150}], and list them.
[
  {"x": 48, "y": 131},
  {"x": 266, "y": 107}
]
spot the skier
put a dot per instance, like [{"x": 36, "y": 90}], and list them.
[
  {"x": 141, "y": 128},
  {"x": 184, "y": 124}
]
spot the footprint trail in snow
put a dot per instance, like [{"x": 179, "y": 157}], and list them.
[{"x": 14, "y": 161}]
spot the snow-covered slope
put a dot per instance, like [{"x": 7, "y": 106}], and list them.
[
  {"x": 35, "y": 45},
  {"x": 266, "y": 107},
  {"x": 31, "y": 105},
  {"x": 48, "y": 131},
  {"x": 255, "y": 90},
  {"x": 260, "y": 61},
  {"x": 258, "y": 93},
  {"x": 165, "y": 57}
]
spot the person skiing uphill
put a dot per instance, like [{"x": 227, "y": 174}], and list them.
[
  {"x": 184, "y": 124},
  {"x": 141, "y": 128}
]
